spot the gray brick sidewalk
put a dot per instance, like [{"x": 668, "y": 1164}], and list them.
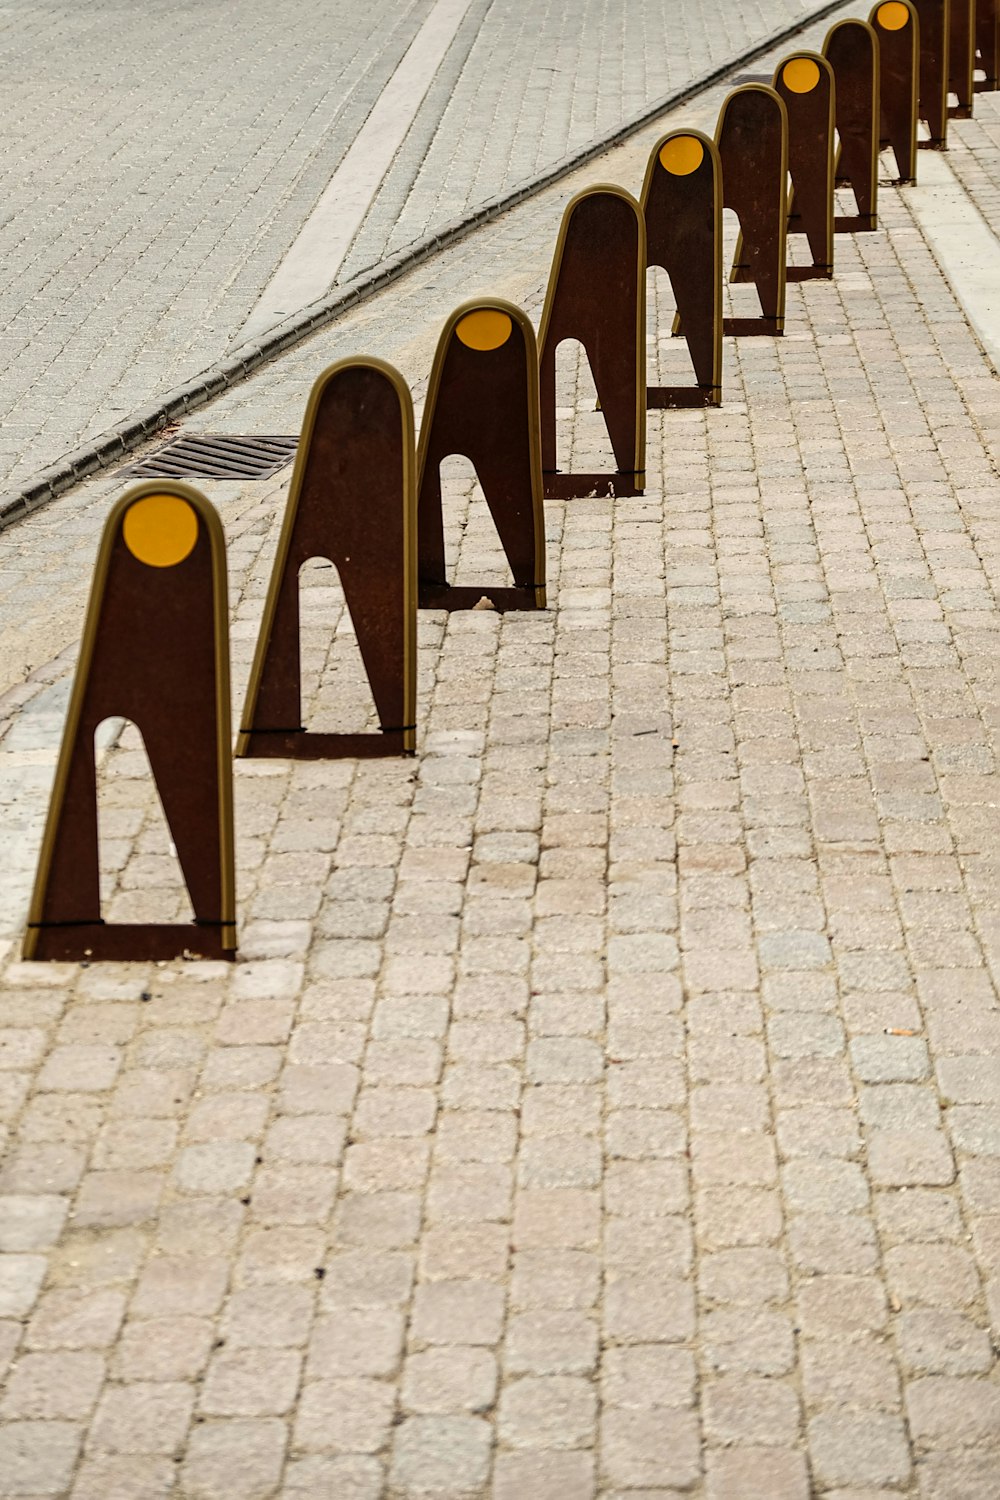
[
  {"x": 161, "y": 160},
  {"x": 540, "y": 81},
  {"x": 605, "y": 1103}
]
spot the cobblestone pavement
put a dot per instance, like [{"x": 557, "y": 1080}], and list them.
[
  {"x": 538, "y": 82},
  {"x": 161, "y": 159},
  {"x": 974, "y": 157},
  {"x": 606, "y": 1102}
]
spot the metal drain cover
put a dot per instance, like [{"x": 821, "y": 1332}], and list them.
[{"x": 204, "y": 456}]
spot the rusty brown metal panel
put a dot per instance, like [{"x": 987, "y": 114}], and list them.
[
  {"x": 962, "y": 56},
  {"x": 804, "y": 81},
  {"x": 852, "y": 50},
  {"x": 155, "y": 651},
  {"x": 352, "y": 501},
  {"x": 987, "y": 37},
  {"x": 597, "y": 295},
  {"x": 682, "y": 203},
  {"x": 932, "y": 105},
  {"x": 482, "y": 402},
  {"x": 752, "y": 137},
  {"x": 897, "y": 26}
]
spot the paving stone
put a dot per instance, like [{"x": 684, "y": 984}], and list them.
[
  {"x": 37, "y": 1458},
  {"x": 352, "y": 1416},
  {"x": 46, "y": 1387},
  {"x": 746, "y": 1473},
  {"x": 861, "y": 1371},
  {"x": 653, "y": 1447},
  {"x": 548, "y": 1476},
  {"x": 449, "y": 1379},
  {"x": 21, "y": 1277},
  {"x": 366, "y": 1341},
  {"x": 76, "y": 1319},
  {"x": 935, "y": 1275},
  {"x": 889, "y": 1059},
  {"x": 163, "y": 1349},
  {"x": 448, "y": 1455},
  {"x": 31, "y": 1222},
  {"x": 859, "y": 1449},
  {"x": 236, "y": 1457},
  {"x": 353, "y": 1477},
  {"x": 142, "y": 1417},
  {"x": 941, "y": 1342},
  {"x": 179, "y": 1285},
  {"x": 747, "y": 1411},
  {"x": 953, "y": 1411},
  {"x": 552, "y": 1412},
  {"x": 949, "y": 1476},
  {"x": 457, "y": 1312},
  {"x": 272, "y": 1317},
  {"x": 238, "y": 1384},
  {"x": 216, "y": 1167},
  {"x": 109, "y": 1476}
]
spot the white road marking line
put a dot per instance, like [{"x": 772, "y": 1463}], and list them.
[{"x": 310, "y": 267}]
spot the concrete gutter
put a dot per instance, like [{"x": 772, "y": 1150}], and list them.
[{"x": 113, "y": 446}]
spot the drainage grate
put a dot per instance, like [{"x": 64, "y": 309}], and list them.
[{"x": 220, "y": 457}]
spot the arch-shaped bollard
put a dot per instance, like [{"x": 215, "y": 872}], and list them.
[
  {"x": 851, "y": 48},
  {"x": 804, "y": 81},
  {"x": 987, "y": 34},
  {"x": 752, "y": 138},
  {"x": 897, "y": 26},
  {"x": 155, "y": 651},
  {"x": 482, "y": 402},
  {"x": 962, "y": 56},
  {"x": 597, "y": 295},
  {"x": 682, "y": 203},
  {"x": 932, "y": 103},
  {"x": 358, "y": 431}
]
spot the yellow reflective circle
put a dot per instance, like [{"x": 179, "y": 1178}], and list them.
[
  {"x": 160, "y": 530},
  {"x": 801, "y": 75},
  {"x": 682, "y": 155},
  {"x": 892, "y": 16},
  {"x": 487, "y": 329}
]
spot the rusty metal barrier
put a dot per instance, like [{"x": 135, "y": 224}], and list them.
[
  {"x": 597, "y": 295},
  {"x": 682, "y": 203},
  {"x": 357, "y": 434},
  {"x": 482, "y": 402},
  {"x": 852, "y": 50},
  {"x": 155, "y": 651},
  {"x": 962, "y": 56},
  {"x": 987, "y": 40},
  {"x": 805, "y": 83},
  {"x": 932, "y": 104},
  {"x": 897, "y": 27},
  {"x": 752, "y": 138}
]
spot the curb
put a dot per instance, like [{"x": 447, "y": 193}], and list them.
[{"x": 116, "y": 444}]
